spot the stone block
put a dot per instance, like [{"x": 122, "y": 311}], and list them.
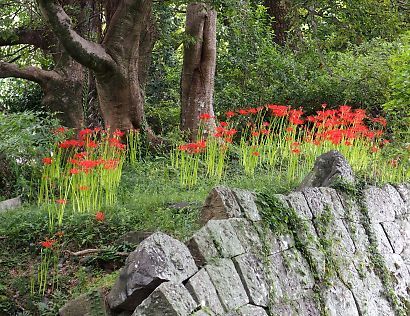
[
  {"x": 248, "y": 310},
  {"x": 298, "y": 202},
  {"x": 202, "y": 247},
  {"x": 339, "y": 300},
  {"x": 224, "y": 238},
  {"x": 220, "y": 204},
  {"x": 227, "y": 283},
  {"x": 247, "y": 234},
  {"x": 246, "y": 200},
  {"x": 157, "y": 259},
  {"x": 251, "y": 269},
  {"x": 320, "y": 199},
  {"x": 170, "y": 299},
  {"x": 293, "y": 273},
  {"x": 203, "y": 291},
  {"x": 380, "y": 205},
  {"x": 395, "y": 235}
]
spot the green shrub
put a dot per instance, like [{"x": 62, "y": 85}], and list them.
[
  {"x": 24, "y": 138},
  {"x": 398, "y": 106}
]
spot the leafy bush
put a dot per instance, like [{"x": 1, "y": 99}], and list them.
[
  {"x": 252, "y": 71},
  {"x": 24, "y": 137},
  {"x": 398, "y": 107},
  {"x": 18, "y": 95}
]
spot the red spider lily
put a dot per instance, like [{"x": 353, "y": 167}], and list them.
[
  {"x": 80, "y": 155},
  {"x": 264, "y": 131},
  {"x": 74, "y": 171},
  {"x": 394, "y": 163},
  {"x": 374, "y": 149},
  {"x": 381, "y": 120},
  {"x": 99, "y": 216},
  {"x": 84, "y": 132},
  {"x": 294, "y": 117},
  {"x": 118, "y": 133},
  {"x": 48, "y": 243},
  {"x": 89, "y": 164},
  {"x": 296, "y": 150},
  {"x": 73, "y": 161},
  {"x": 324, "y": 105},
  {"x": 71, "y": 143},
  {"x": 61, "y": 201},
  {"x": 60, "y": 130},
  {"x": 223, "y": 124},
  {"x": 114, "y": 142},
  {"x": 111, "y": 164},
  {"x": 91, "y": 144},
  {"x": 84, "y": 188},
  {"x": 47, "y": 160},
  {"x": 255, "y": 153},
  {"x": 243, "y": 112},
  {"x": 193, "y": 148},
  {"x": 278, "y": 110},
  {"x": 205, "y": 116},
  {"x": 230, "y": 114},
  {"x": 348, "y": 143},
  {"x": 253, "y": 110},
  {"x": 265, "y": 123},
  {"x": 255, "y": 134},
  {"x": 290, "y": 129}
]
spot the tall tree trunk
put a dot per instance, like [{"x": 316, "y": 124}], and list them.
[
  {"x": 278, "y": 11},
  {"x": 198, "y": 73},
  {"x": 115, "y": 62}
]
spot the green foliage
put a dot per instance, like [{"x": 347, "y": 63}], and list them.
[
  {"x": 24, "y": 138},
  {"x": 17, "y": 95},
  {"x": 398, "y": 107}
]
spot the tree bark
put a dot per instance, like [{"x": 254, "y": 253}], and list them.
[
  {"x": 62, "y": 90},
  {"x": 115, "y": 62},
  {"x": 198, "y": 74},
  {"x": 278, "y": 11}
]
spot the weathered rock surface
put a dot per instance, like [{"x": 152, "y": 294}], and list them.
[
  {"x": 10, "y": 204},
  {"x": 157, "y": 259},
  {"x": 228, "y": 285},
  {"x": 168, "y": 299},
  {"x": 328, "y": 169},
  {"x": 203, "y": 291},
  {"x": 338, "y": 255}
]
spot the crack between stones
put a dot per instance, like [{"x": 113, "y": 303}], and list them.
[
  {"x": 387, "y": 236},
  {"x": 356, "y": 302}
]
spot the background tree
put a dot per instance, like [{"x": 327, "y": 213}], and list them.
[
  {"x": 59, "y": 76},
  {"x": 198, "y": 74},
  {"x": 116, "y": 62}
]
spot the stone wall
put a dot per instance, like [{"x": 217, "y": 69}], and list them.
[{"x": 315, "y": 251}]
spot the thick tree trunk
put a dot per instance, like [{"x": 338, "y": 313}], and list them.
[
  {"x": 64, "y": 95},
  {"x": 198, "y": 74},
  {"x": 116, "y": 62},
  {"x": 278, "y": 10}
]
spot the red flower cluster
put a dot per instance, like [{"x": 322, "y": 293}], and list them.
[
  {"x": 193, "y": 148},
  {"x": 99, "y": 216},
  {"x": 48, "y": 243},
  {"x": 47, "y": 160}
]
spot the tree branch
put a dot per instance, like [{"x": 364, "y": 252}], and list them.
[
  {"x": 29, "y": 73},
  {"x": 87, "y": 53},
  {"x": 37, "y": 38}
]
